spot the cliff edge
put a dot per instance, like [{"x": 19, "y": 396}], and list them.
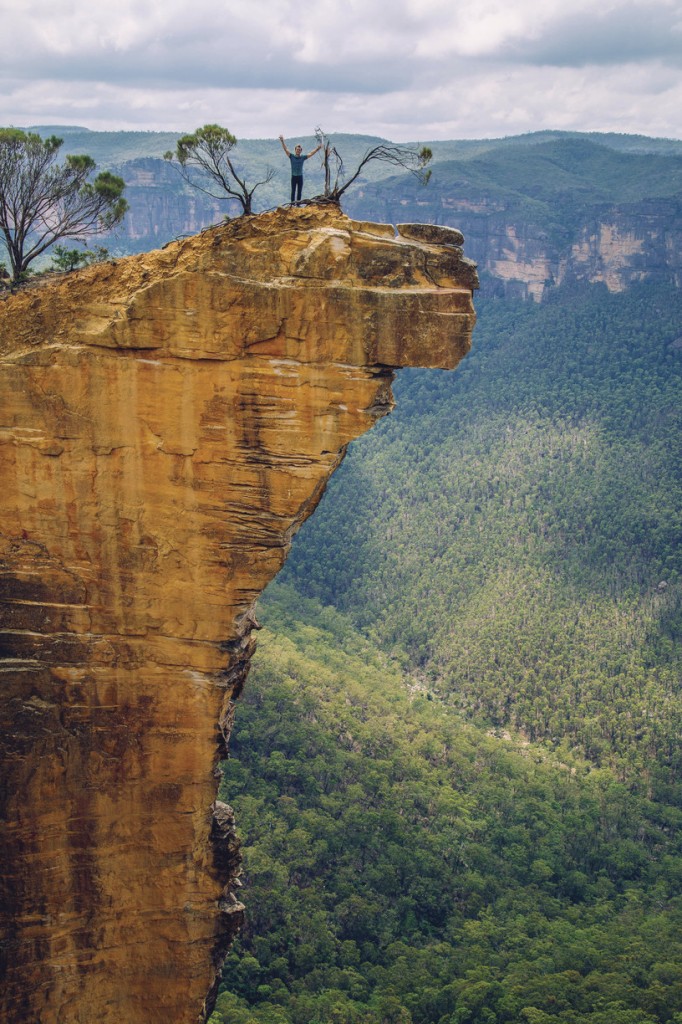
[{"x": 166, "y": 424}]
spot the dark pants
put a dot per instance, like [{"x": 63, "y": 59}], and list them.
[{"x": 296, "y": 186}]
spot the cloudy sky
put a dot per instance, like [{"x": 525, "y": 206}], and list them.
[{"x": 407, "y": 70}]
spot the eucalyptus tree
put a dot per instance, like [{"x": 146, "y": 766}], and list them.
[
  {"x": 42, "y": 200},
  {"x": 209, "y": 150}
]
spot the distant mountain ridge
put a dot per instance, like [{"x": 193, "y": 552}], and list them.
[{"x": 112, "y": 141}]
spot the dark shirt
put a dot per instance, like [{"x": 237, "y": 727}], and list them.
[{"x": 297, "y": 164}]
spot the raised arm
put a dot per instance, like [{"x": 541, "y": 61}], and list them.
[
  {"x": 284, "y": 145},
  {"x": 314, "y": 151}
]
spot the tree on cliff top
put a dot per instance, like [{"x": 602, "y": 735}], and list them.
[
  {"x": 336, "y": 180},
  {"x": 42, "y": 201},
  {"x": 208, "y": 150}
]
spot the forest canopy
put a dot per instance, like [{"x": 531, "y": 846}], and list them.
[{"x": 405, "y": 866}]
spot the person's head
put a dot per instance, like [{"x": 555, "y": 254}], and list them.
[{"x": 298, "y": 150}]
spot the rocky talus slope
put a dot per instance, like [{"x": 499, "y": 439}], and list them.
[{"x": 167, "y": 422}]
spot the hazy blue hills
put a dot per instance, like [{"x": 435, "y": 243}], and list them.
[
  {"x": 572, "y": 167},
  {"x": 146, "y": 143}
]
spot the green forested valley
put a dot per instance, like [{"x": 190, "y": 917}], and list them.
[
  {"x": 513, "y": 529},
  {"x": 456, "y": 766},
  {"x": 404, "y": 865}
]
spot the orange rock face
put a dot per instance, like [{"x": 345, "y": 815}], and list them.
[{"x": 166, "y": 424}]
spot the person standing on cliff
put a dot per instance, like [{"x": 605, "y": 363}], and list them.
[{"x": 297, "y": 160}]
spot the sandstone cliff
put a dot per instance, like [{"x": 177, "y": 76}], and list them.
[
  {"x": 166, "y": 424},
  {"x": 612, "y": 244}
]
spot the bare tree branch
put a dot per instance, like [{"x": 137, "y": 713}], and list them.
[{"x": 335, "y": 180}]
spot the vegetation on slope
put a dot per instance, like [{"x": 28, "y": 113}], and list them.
[
  {"x": 571, "y": 168},
  {"x": 514, "y": 528},
  {"x": 404, "y": 866}
]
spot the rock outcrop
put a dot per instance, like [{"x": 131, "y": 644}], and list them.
[{"x": 166, "y": 424}]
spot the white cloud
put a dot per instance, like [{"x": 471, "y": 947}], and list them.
[{"x": 407, "y": 69}]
